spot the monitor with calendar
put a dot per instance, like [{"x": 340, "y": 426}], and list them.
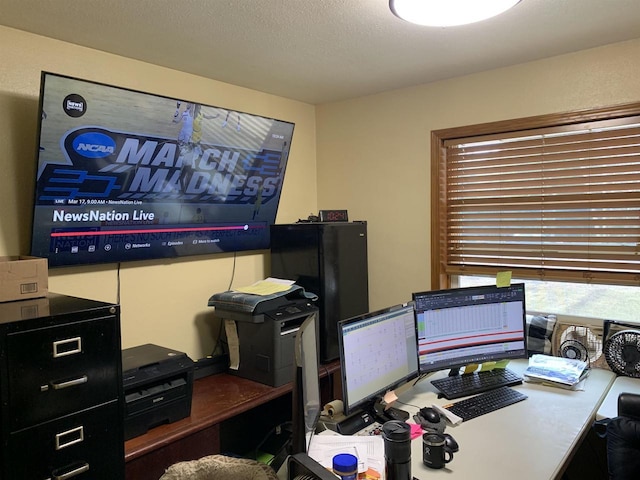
[{"x": 470, "y": 325}]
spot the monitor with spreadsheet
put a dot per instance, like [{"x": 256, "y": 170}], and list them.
[
  {"x": 378, "y": 352},
  {"x": 471, "y": 325}
]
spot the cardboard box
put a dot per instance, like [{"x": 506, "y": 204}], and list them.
[{"x": 23, "y": 277}]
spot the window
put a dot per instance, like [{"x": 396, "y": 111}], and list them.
[
  {"x": 551, "y": 198},
  {"x": 579, "y": 302}
]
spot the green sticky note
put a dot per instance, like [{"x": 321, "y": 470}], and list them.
[
  {"x": 503, "y": 279},
  {"x": 501, "y": 364},
  {"x": 487, "y": 366},
  {"x": 470, "y": 368}
]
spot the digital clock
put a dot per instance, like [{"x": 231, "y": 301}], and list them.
[{"x": 333, "y": 216}]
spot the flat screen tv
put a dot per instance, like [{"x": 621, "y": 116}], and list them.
[{"x": 127, "y": 175}]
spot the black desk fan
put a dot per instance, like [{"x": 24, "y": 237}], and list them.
[
  {"x": 302, "y": 467},
  {"x": 622, "y": 352}
]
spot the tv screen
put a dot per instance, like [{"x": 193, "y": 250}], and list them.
[{"x": 126, "y": 175}]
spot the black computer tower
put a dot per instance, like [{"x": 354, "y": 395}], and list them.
[{"x": 330, "y": 260}]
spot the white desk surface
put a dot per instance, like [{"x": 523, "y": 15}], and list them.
[
  {"x": 609, "y": 407},
  {"x": 530, "y": 440}
]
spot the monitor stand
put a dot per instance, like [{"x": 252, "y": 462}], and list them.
[
  {"x": 368, "y": 416},
  {"x": 384, "y": 414}
]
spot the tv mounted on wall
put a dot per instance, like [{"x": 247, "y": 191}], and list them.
[{"x": 127, "y": 175}]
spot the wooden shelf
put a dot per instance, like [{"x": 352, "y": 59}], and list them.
[{"x": 215, "y": 399}]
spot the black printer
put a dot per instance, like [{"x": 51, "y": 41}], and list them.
[
  {"x": 266, "y": 328},
  {"x": 158, "y": 386}
]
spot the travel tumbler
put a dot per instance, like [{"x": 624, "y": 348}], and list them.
[{"x": 397, "y": 450}]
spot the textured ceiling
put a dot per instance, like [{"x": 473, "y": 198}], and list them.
[{"x": 320, "y": 51}]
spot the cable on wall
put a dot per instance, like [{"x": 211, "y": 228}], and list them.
[
  {"x": 233, "y": 271},
  {"x": 118, "y": 284}
]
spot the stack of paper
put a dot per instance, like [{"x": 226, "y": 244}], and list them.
[
  {"x": 369, "y": 449},
  {"x": 556, "y": 371}
]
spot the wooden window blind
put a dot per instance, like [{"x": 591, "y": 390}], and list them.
[{"x": 558, "y": 202}]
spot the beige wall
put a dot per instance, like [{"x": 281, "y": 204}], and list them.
[
  {"x": 372, "y": 158},
  {"x": 163, "y": 302},
  {"x": 373, "y": 152}
]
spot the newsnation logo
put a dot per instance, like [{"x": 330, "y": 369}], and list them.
[{"x": 122, "y": 165}]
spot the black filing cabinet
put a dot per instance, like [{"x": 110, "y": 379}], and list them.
[{"x": 61, "y": 390}]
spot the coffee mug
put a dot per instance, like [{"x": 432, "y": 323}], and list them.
[{"x": 434, "y": 452}]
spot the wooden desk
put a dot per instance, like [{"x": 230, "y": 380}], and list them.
[{"x": 216, "y": 399}]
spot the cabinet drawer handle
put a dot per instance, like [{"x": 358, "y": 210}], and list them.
[
  {"x": 69, "y": 383},
  {"x": 64, "y": 475},
  {"x": 70, "y": 346},
  {"x": 70, "y": 437}
]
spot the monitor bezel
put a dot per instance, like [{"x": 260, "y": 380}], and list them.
[
  {"x": 306, "y": 395},
  {"x": 139, "y": 234},
  {"x": 373, "y": 396},
  {"x": 462, "y": 362}
]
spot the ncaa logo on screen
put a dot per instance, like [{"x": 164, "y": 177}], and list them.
[{"x": 94, "y": 145}]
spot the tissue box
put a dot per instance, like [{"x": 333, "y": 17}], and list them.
[{"x": 23, "y": 277}]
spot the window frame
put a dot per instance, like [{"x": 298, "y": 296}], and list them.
[{"x": 439, "y": 276}]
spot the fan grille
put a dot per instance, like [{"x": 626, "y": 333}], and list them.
[
  {"x": 580, "y": 342},
  {"x": 622, "y": 351},
  {"x": 302, "y": 467},
  {"x": 574, "y": 349}
]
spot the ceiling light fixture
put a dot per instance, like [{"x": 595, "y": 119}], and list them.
[{"x": 447, "y": 13}]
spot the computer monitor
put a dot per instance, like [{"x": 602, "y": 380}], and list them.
[
  {"x": 378, "y": 352},
  {"x": 462, "y": 326},
  {"x": 306, "y": 385}
]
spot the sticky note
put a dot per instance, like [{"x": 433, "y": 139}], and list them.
[
  {"x": 390, "y": 397},
  {"x": 416, "y": 430},
  {"x": 487, "y": 366},
  {"x": 503, "y": 279},
  {"x": 471, "y": 368},
  {"x": 502, "y": 364}
]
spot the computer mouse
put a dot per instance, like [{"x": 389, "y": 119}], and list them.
[
  {"x": 450, "y": 442},
  {"x": 430, "y": 415}
]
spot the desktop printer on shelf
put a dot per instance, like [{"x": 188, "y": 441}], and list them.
[
  {"x": 158, "y": 383},
  {"x": 265, "y": 327}
]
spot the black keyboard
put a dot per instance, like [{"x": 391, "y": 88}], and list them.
[
  {"x": 477, "y": 382},
  {"x": 485, "y": 402}
]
